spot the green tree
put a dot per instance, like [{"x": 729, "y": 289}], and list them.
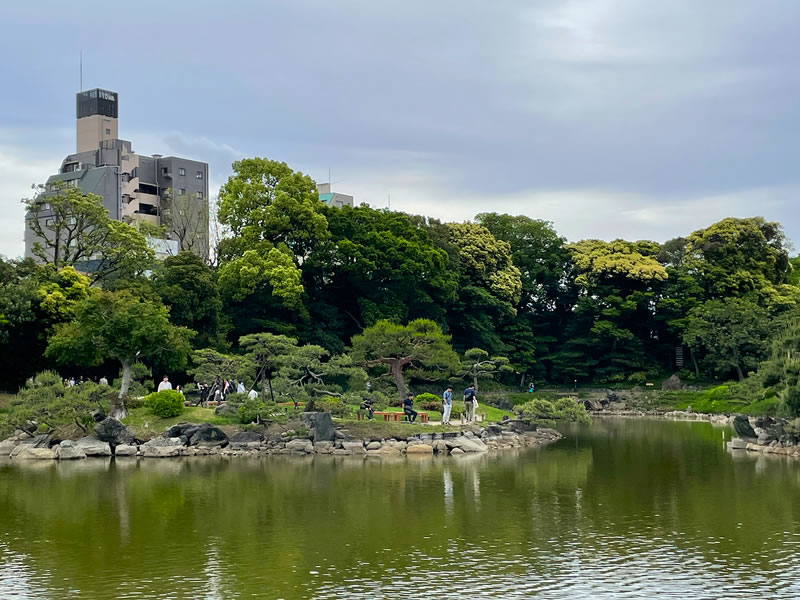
[
  {"x": 74, "y": 229},
  {"x": 267, "y": 352},
  {"x": 121, "y": 327},
  {"x": 363, "y": 274},
  {"x": 618, "y": 283},
  {"x": 266, "y": 204},
  {"x": 211, "y": 365},
  {"x": 419, "y": 347},
  {"x": 478, "y": 364},
  {"x": 548, "y": 295},
  {"x": 489, "y": 287},
  {"x": 738, "y": 257},
  {"x": 188, "y": 287},
  {"x": 729, "y": 335}
]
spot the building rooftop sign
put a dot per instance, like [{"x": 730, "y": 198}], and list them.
[{"x": 97, "y": 102}]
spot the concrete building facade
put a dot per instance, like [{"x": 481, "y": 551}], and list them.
[
  {"x": 160, "y": 190},
  {"x": 332, "y": 198}
]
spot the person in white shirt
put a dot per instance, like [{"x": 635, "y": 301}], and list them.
[
  {"x": 252, "y": 394},
  {"x": 165, "y": 384},
  {"x": 240, "y": 388}
]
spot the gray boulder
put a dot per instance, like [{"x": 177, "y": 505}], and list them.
[
  {"x": 304, "y": 446},
  {"x": 32, "y": 453},
  {"x": 7, "y": 445},
  {"x": 319, "y": 425},
  {"x": 186, "y": 430},
  {"x": 741, "y": 425},
  {"x": 226, "y": 410},
  {"x": 246, "y": 437},
  {"x": 69, "y": 450},
  {"x": 672, "y": 383},
  {"x": 92, "y": 446},
  {"x": 112, "y": 431},
  {"x": 125, "y": 450},
  {"x": 208, "y": 436},
  {"x": 162, "y": 447}
]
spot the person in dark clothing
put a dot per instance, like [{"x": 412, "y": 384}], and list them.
[
  {"x": 408, "y": 408},
  {"x": 367, "y": 405}
]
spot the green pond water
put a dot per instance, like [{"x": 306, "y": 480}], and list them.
[{"x": 618, "y": 509}]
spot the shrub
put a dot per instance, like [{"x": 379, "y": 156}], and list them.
[
  {"x": 432, "y": 406},
  {"x": 252, "y": 410},
  {"x": 639, "y": 378},
  {"x": 545, "y": 412},
  {"x": 165, "y": 404},
  {"x": 335, "y": 406},
  {"x": 426, "y": 397},
  {"x": 569, "y": 410}
]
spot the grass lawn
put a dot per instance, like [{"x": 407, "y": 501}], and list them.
[
  {"x": 145, "y": 424},
  {"x": 489, "y": 413}
]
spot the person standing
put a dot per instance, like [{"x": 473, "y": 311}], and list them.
[
  {"x": 165, "y": 384},
  {"x": 103, "y": 380},
  {"x": 447, "y": 405},
  {"x": 469, "y": 403},
  {"x": 408, "y": 408},
  {"x": 240, "y": 388},
  {"x": 252, "y": 394}
]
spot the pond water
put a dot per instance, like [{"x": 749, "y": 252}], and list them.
[{"x": 620, "y": 509}]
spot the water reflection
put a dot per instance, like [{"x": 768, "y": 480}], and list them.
[{"x": 622, "y": 509}]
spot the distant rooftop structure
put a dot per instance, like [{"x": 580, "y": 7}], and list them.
[{"x": 333, "y": 198}]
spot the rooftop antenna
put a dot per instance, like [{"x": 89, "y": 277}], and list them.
[
  {"x": 389, "y": 207},
  {"x": 80, "y": 90}
]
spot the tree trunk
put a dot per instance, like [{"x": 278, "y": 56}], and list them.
[
  {"x": 118, "y": 410},
  {"x": 475, "y": 381},
  {"x": 269, "y": 383},
  {"x": 694, "y": 362},
  {"x": 739, "y": 371},
  {"x": 399, "y": 380}
]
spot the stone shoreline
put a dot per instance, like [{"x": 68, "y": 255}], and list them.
[{"x": 492, "y": 437}]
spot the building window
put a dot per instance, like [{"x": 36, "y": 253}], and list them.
[
  {"x": 181, "y": 171},
  {"x": 108, "y": 131},
  {"x": 49, "y": 222},
  {"x": 181, "y": 191},
  {"x": 199, "y": 174},
  {"x": 164, "y": 170},
  {"x": 199, "y": 195}
]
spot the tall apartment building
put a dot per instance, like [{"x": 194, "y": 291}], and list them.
[{"x": 160, "y": 190}]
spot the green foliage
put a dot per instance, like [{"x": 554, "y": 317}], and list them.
[
  {"x": 188, "y": 288},
  {"x": 419, "y": 347},
  {"x": 730, "y": 335},
  {"x": 477, "y": 364},
  {"x": 544, "y": 412},
  {"x": 250, "y": 410},
  {"x": 165, "y": 404},
  {"x": 74, "y": 228},
  {"x": 45, "y": 400}
]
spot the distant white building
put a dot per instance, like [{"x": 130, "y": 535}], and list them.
[{"x": 333, "y": 198}]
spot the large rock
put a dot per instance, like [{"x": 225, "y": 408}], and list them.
[
  {"x": 162, "y": 447},
  {"x": 92, "y": 446},
  {"x": 737, "y": 444},
  {"x": 246, "y": 437},
  {"x": 467, "y": 444},
  {"x": 741, "y": 426},
  {"x": 7, "y": 445},
  {"x": 319, "y": 425},
  {"x": 184, "y": 430},
  {"x": 32, "y": 453},
  {"x": 208, "y": 436},
  {"x": 420, "y": 449},
  {"x": 672, "y": 383},
  {"x": 112, "y": 431},
  {"x": 226, "y": 410},
  {"x": 125, "y": 450},
  {"x": 353, "y": 447},
  {"x": 69, "y": 450},
  {"x": 304, "y": 446}
]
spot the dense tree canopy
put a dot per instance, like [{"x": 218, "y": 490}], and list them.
[{"x": 296, "y": 283}]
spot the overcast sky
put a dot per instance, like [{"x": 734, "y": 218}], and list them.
[{"x": 642, "y": 120}]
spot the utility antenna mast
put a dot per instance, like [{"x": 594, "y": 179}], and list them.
[{"x": 80, "y": 90}]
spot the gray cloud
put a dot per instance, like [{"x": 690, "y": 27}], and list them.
[{"x": 609, "y": 117}]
